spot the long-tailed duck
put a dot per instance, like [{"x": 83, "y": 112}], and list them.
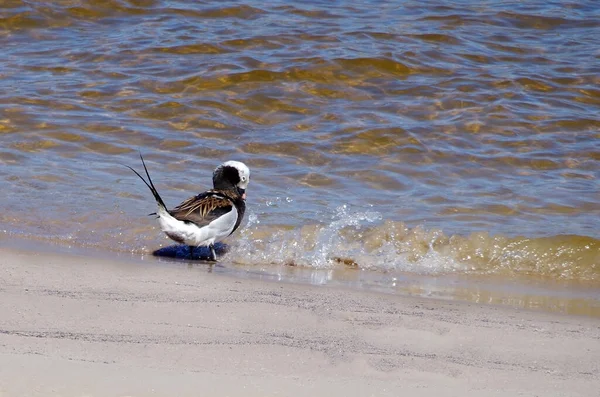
[{"x": 208, "y": 217}]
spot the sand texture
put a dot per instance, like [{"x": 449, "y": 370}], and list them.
[{"x": 79, "y": 326}]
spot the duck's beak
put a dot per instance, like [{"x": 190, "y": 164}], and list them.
[{"x": 242, "y": 193}]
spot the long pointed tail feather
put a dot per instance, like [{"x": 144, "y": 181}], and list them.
[{"x": 149, "y": 183}]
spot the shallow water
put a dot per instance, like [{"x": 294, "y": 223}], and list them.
[{"x": 423, "y": 139}]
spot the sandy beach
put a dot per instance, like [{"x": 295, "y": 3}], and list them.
[{"x": 78, "y": 326}]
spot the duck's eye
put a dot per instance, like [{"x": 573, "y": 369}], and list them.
[{"x": 244, "y": 179}]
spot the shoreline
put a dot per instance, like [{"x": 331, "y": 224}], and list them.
[
  {"x": 528, "y": 293},
  {"x": 77, "y": 325}
]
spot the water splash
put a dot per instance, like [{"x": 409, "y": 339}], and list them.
[
  {"x": 318, "y": 246},
  {"x": 364, "y": 240}
]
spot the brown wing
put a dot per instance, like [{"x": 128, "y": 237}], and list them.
[{"x": 203, "y": 208}]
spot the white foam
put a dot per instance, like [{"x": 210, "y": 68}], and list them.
[{"x": 343, "y": 238}]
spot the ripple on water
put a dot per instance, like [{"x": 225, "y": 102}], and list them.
[{"x": 463, "y": 138}]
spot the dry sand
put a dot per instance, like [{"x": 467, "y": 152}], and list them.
[{"x": 77, "y": 326}]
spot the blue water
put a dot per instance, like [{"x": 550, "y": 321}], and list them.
[{"x": 446, "y": 137}]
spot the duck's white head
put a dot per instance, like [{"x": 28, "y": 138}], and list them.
[{"x": 232, "y": 175}]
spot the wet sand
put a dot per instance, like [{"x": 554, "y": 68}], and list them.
[{"x": 74, "y": 326}]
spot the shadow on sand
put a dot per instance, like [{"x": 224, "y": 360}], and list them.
[{"x": 179, "y": 251}]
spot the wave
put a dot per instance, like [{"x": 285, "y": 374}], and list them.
[{"x": 364, "y": 240}]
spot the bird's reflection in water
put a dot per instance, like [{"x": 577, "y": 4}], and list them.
[{"x": 179, "y": 251}]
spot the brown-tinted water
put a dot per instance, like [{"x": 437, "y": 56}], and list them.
[{"x": 423, "y": 139}]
